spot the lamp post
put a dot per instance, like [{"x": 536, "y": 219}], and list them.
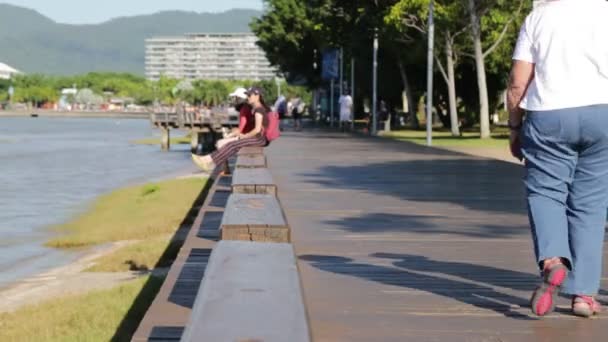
[
  {"x": 429, "y": 76},
  {"x": 11, "y": 92},
  {"x": 352, "y": 78},
  {"x": 352, "y": 92},
  {"x": 316, "y": 91},
  {"x": 341, "y": 71},
  {"x": 331, "y": 102},
  {"x": 374, "y": 130},
  {"x": 277, "y": 80}
]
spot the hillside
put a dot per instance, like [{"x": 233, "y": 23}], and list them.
[{"x": 34, "y": 43}]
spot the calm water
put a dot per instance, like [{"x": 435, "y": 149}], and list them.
[{"x": 51, "y": 169}]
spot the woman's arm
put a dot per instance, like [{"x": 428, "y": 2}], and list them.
[
  {"x": 259, "y": 119},
  {"x": 235, "y": 133}
]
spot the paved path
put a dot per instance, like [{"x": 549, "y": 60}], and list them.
[{"x": 398, "y": 242}]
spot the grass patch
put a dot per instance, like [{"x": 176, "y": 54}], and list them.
[
  {"x": 133, "y": 213},
  {"x": 104, "y": 315},
  {"x": 156, "y": 141},
  {"x": 145, "y": 255},
  {"x": 443, "y": 138}
]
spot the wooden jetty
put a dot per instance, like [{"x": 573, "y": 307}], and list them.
[{"x": 204, "y": 129}]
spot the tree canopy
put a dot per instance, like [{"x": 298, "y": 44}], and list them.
[{"x": 294, "y": 33}]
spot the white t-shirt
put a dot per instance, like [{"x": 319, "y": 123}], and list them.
[
  {"x": 346, "y": 105},
  {"x": 567, "y": 40}
]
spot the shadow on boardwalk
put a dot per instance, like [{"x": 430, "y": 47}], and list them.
[
  {"x": 408, "y": 273},
  {"x": 484, "y": 185},
  {"x": 427, "y": 224}
]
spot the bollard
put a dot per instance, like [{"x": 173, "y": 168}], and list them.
[
  {"x": 165, "y": 139},
  {"x": 194, "y": 142}
]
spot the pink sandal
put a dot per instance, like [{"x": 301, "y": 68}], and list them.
[
  {"x": 585, "y": 306},
  {"x": 543, "y": 298}
]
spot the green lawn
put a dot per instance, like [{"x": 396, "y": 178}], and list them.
[
  {"x": 141, "y": 256},
  {"x": 133, "y": 213},
  {"x": 148, "y": 214},
  {"x": 95, "y": 316},
  {"x": 443, "y": 138}
]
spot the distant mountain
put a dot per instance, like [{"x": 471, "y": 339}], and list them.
[{"x": 34, "y": 43}]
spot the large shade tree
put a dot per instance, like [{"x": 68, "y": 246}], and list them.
[{"x": 490, "y": 24}]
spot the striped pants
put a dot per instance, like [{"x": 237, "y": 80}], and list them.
[{"x": 229, "y": 150}]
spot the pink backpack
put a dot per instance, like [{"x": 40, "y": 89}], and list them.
[{"x": 272, "y": 132}]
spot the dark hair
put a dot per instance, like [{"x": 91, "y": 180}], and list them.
[
  {"x": 255, "y": 90},
  {"x": 264, "y": 103}
]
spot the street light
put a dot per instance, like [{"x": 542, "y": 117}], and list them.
[
  {"x": 375, "y": 86},
  {"x": 11, "y": 92},
  {"x": 341, "y": 71},
  {"x": 277, "y": 80}
]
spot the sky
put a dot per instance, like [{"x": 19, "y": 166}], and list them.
[{"x": 96, "y": 11}]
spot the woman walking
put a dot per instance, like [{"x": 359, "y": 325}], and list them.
[
  {"x": 255, "y": 137},
  {"x": 560, "y": 79}
]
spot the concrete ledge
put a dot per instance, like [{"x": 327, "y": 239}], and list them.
[
  {"x": 254, "y": 218},
  {"x": 251, "y": 292},
  {"x": 251, "y": 161},
  {"x": 251, "y": 151},
  {"x": 253, "y": 181}
]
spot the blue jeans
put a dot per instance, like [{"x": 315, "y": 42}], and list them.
[{"x": 566, "y": 155}]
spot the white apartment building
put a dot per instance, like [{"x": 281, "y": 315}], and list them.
[{"x": 217, "y": 56}]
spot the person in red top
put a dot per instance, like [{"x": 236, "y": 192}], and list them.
[
  {"x": 256, "y": 137},
  {"x": 246, "y": 119}
]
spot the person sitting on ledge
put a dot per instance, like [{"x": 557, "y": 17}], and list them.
[
  {"x": 246, "y": 119},
  {"x": 255, "y": 137}
]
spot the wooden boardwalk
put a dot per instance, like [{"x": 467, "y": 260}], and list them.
[{"x": 398, "y": 242}]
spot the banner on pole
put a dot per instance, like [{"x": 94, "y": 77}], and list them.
[{"x": 331, "y": 64}]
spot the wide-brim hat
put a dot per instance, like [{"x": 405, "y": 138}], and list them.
[{"x": 241, "y": 93}]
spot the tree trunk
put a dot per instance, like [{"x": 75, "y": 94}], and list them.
[
  {"x": 411, "y": 105},
  {"x": 452, "y": 88},
  {"x": 484, "y": 111}
]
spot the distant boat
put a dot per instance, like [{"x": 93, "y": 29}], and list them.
[{"x": 34, "y": 115}]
